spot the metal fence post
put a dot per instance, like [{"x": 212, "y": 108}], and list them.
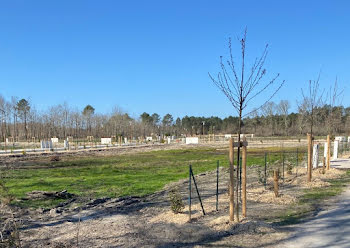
[
  {"x": 217, "y": 185},
  {"x": 265, "y": 169},
  {"x": 199, "y": 196},
  {"x": 283, "y": 165},
  {"x": 296, "y": 169}
]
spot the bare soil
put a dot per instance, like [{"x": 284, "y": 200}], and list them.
[{"x": 149, "y": 222}]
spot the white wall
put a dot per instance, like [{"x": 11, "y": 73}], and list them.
[
  {"x": 191, "y": 140},
  {"x": 106, "y": 141}
]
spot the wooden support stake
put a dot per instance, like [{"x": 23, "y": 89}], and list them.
[
  {"x": 324, "y": 165},
  {"x": 328, "y": 152},
  {"x": 309, "y": 157},
  {"x": 275, "y": 181},
  {"x": 231, "y": 157},
  {"x": 217, "y": 185},
  {"x": 189, "y": 195},
  {"x": 244, "y": 180}
]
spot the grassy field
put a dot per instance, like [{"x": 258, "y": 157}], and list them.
[{"x": 123, "y": 175}]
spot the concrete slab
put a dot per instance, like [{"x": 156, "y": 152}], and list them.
[{"x": 341, "y": 163}]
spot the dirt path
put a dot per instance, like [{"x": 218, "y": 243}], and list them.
[{"x": 330, "y": 228}]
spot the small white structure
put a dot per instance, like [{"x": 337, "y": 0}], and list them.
[
  {"x": 227, "y": 136},
  {"x": 349, "y": 139},
  {"x": 46, "y": 144},
  {"x": 66, "y": 144},
  {"x": 315, "y": 153},
  {"x": 125, "y": 140},
  {"x": 149, "y": 138},
  {"x": 191, "y": 140},
  {"x": 335, "y": 149},
  {"x": 54, "y": 140},
  {"x": 340, "y": 138},
  {"x": 169, "y": 140},
  {"x": 106, "y": 141}
]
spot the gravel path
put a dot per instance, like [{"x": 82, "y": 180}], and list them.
[{"x": 330, "y": 228}]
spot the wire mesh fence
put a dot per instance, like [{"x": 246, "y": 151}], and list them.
[{"x": 261, "y": 166}]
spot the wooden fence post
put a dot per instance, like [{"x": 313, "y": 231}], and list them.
[
  {"x": 231, "y": 157},
  {"x": 324, "y": 165},
  {"x": 217, "y": 185},
  {"x": 328, "y": 152},
  {"x": 244, "y": 179},
  {"x": 309, "y": 157},
  {"x": 189, "y": 194}
]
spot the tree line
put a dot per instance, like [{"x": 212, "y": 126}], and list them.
[{"x": 22, "y": 121}]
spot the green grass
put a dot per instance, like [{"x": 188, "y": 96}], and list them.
[
  {"x": 123, "y": 175},
  {"x": 312, "y": 199}
]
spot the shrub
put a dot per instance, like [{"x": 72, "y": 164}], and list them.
[
  {"x": 176, "y": 202},
  {"x": 261, "y": 175}
]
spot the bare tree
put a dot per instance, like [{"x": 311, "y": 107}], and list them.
[
  {"x": 335, "y": 98},
  {"x": 241, "y": 86},
  {"x": 255, "y": 117},
  {"x": 3, "y": 115},
  {"x": 283, "y": 109},
  {"x": 269, "y": 111},
  {"x": 312, "y": 98}
]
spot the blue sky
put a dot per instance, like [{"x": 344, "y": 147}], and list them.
[{"x": 155, "y": 56}]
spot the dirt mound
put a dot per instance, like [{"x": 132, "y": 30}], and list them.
[
  {"x": 36, "y": 195},
  {"x": 267, "y": 196},
  {"x": 253, "y": 227}
]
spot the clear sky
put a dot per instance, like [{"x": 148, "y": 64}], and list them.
[{"x": 155, "y": 56}]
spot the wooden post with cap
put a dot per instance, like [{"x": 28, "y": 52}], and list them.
[
  {"x": 328, "y": 152},
  {"x": 231, "y": 189},
  {"x": 244, "y": 179},
  {"x": 309, "y": 157}
]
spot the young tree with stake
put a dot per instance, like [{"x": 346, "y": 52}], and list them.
[
  {"x": 312, "y": 99},
  {"x": 241, "y": 86}
]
